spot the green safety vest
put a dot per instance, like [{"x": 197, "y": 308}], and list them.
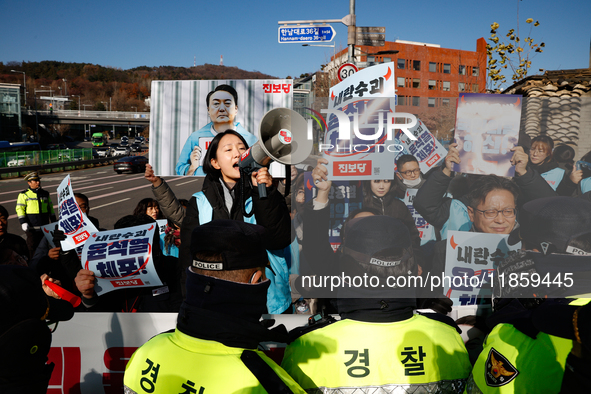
[
  {"x": 34, "y": 208},
  {"x": 512, "y": 362},
  {"x": 417, "y": 355},
  {"x": 176, "y": 363},
  {"x": 528, "y": 365}
]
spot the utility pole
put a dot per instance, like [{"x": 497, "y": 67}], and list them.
[{"x": 351, "y": 32}]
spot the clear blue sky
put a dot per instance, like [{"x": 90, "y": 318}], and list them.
[{"x": 127, "y": 34}]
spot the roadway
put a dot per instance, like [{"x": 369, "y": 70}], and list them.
[{"x": 112, "y": 196}]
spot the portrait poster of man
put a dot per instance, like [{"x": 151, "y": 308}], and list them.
[
  {"x": 487, "y": 128},
  {"x": 186, "y": 115}
]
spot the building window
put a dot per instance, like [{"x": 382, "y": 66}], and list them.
[
  {"x": 446, "y": 86},
  {"x": 401, "y": 100},
  {"x": 371, "y": 59},
  {"x": 475, "y": 71},
  {"x": 400, "y": 64},
  {"x": 432, "y": 84},
  {"x": 445, "y": 102},
  {"x": 400, "y": 82},
  {"x": 416, "y": 101},
  {"x": 461, "y": 87},
  {"x": 432, "y": 67},
  {"x": 446, "y": 68},
  {"x": 416, "y": 83},
  {"x": 416, "y": 65},
  {"x": 431, "y": 101},
  {"x": 474, "y": 88},
  {"x": 462, "y": 70},
  {"x": 386, "y": 60}
]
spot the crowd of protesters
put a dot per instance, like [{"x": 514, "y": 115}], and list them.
[{"x": 527, "y": 342}]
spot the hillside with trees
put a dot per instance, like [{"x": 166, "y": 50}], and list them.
[{"x": 91, "y": 85}]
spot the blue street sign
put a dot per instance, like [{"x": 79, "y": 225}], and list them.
[{"x": 306, "y": 34}]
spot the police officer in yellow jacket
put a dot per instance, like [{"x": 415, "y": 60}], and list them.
[
  {"x": 214, "y": 346},
  {"x": 572, "y": 322},
  {"x": 379, "y": 345},
  {"x": 517, "y": 357},
  {"x": 34, "y": 208}
]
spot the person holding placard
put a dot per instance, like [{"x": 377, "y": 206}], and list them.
[
  {"x": 59, "y": 264},
  {"x": 447, "y": 213},
  {"x": 162, "y": 298}
]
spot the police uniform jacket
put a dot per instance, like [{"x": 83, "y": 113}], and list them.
[
  {"x": 213, "y": 349},
  {"x": 35, "y": 207},
  {"x": 416, "y": 354}
]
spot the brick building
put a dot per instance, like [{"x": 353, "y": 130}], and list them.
[{"x": 426, "y": 74}]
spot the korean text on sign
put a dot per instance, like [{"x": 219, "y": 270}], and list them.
[
  {"x": 122, "y": 258},
  {"x": 72, "y": 221}
]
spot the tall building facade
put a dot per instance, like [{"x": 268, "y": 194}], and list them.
[
  {"x": 10, "y": 112},
  {"x": 426, "y": 75}
]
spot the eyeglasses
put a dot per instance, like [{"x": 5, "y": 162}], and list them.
[
  {"x": 493, "y": 213},
  {"x": 410, "y": 172}
]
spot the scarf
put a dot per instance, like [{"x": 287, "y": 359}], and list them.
[
  {"x": 173, "y": 233},
  {"x": 227, "y": 312}
]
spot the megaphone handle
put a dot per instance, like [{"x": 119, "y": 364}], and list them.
[{"x": 262, "y": 190}]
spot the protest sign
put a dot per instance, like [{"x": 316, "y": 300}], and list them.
[
  {"x": 428, "y": 151},
  {"x": 426, "y": 231},
  {"x": 471, "y": 260},
  {"x": 180, "y": 119},
  {"x": 204, "y": 145},
  {"x": 162, "y": 223},
  {"x": 48, "y": 231},
  {"x": 73, "y": 222},
  {"x": 487, "y": 128},
  {"x": 121, "y": 258},
  {"x": 360, "y": 109}
]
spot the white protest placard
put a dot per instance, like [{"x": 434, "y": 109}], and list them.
[
  {"x": 162, "y": 223},
  {"x": 428, "y": 151},
  {"x": 470, "y": 261},
  {"x": 204, "y": 145},
  {"x": 487, "y": 128},
  {"x": 121, "y": 258},
  {"x": 366, "y": 99},
  {"x": 73, "y": 222},
  {"x": 426, "y": 230}
]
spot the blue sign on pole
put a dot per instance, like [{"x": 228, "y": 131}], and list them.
[{"x": 306, "y": 34}]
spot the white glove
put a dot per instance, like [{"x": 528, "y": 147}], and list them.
[
  {"x": 195, "y": 157},
  {"x": 26, "y": 227}
]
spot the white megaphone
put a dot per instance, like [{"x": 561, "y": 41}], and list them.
[{"x": 283, "y": 139}]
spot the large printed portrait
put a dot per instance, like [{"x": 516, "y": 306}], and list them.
[{"x": 186, "y": 115}]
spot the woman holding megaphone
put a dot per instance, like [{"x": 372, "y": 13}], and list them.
[{"x": 222, "y": 198}]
